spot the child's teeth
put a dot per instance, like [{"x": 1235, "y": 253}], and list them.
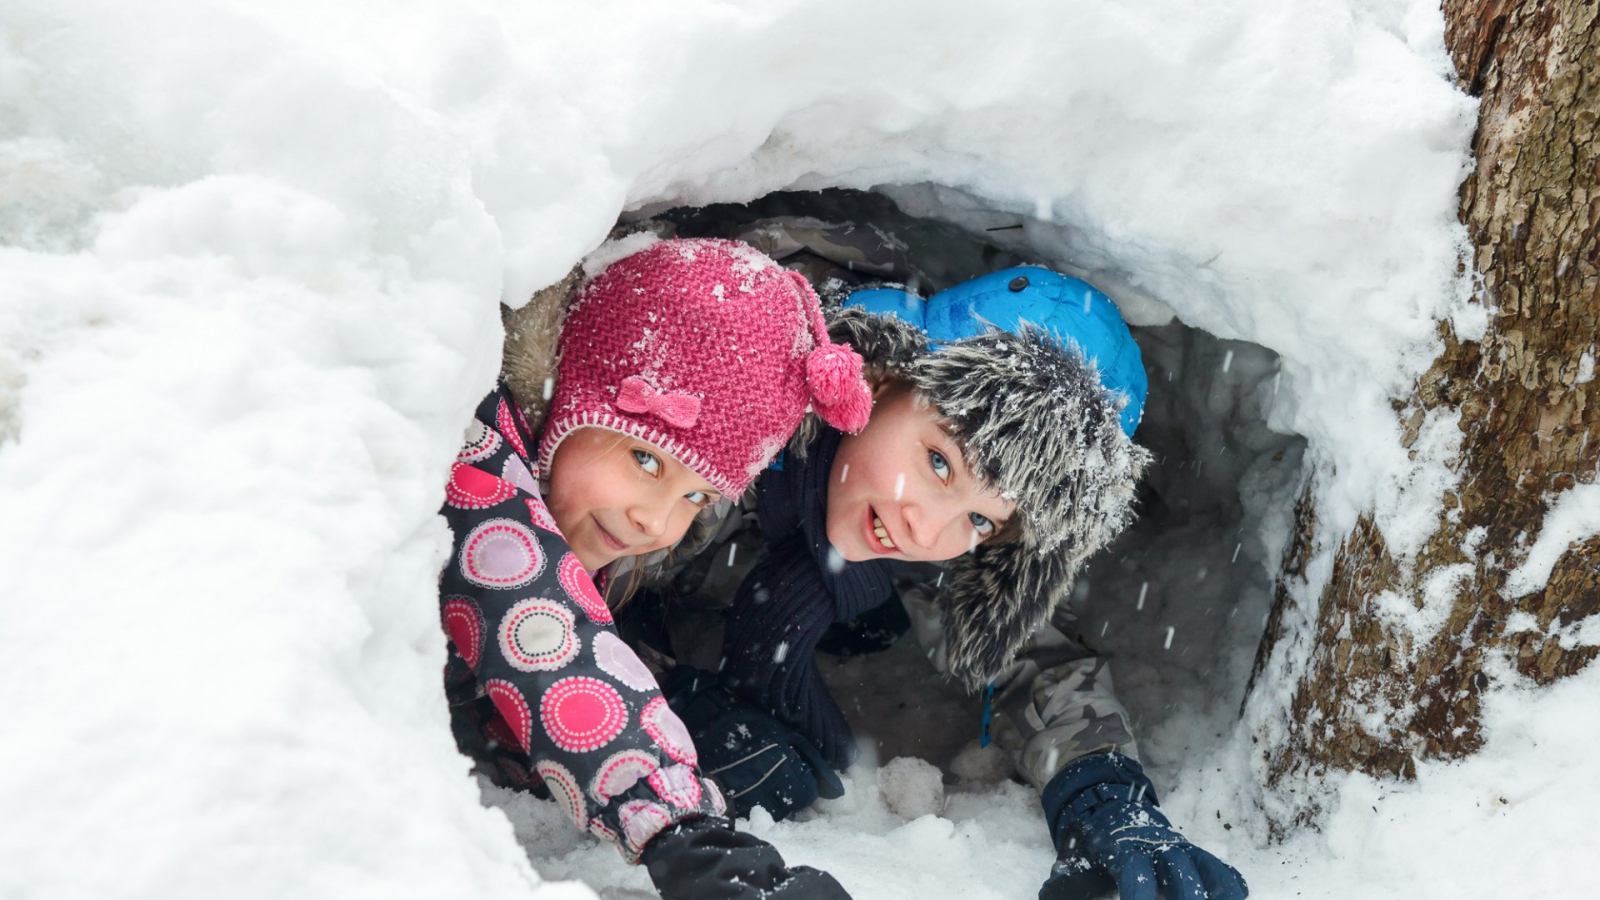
[{"x": 881, "y": 532}]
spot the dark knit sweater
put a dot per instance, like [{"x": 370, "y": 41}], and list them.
[{"x": 791, "y": 597}]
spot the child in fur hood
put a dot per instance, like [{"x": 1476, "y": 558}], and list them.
[
  {"x": 1000, "y": 445},
  {"x": 684, "y": 366}
]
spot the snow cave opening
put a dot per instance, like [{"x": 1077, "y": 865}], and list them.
[{"x": 1179, "y": 602}]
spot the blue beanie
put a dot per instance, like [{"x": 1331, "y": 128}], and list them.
[{"x": 1070, "y": 309}]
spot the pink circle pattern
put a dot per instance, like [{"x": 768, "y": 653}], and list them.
[
  {"x": 678, "y": 786},
  {"x": 618, "y": 660},
  {"x": 501, "y": 553},
  {"x": 641, "y": 821},
  {"x": 542, "y": 518},
  {"x": 498, "y": 731},
  {"x": 516, "y": 471},
  {"x": 463, "y": 622},
  {"x": 599, "y": 830},
  {"x": 509, "y": 701},
  {"x": 580, "y": 587},
  {"x": 668, "y": 731},
  {"x": 508, "y": 427},
  {"x": 514, "y": 771},
  {"x": 481, "y": 443},
  {"x": 537, "y": 635},
  {"x": 582, "y": 714},
  {"x": 620, "y": 771},
  {"x": 472, "y": 488},
  {"x": 565, "y": 789},
  {"x": 714, "y": 795}
]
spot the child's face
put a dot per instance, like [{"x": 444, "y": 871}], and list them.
[
  {"x": 901, "y": 490},
  {"x": 615, "y": 496}
]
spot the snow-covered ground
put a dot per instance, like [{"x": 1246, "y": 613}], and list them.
[{"x": 251, "y": 256}]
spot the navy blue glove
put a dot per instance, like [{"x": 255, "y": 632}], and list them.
[
  {"x": 757, "y": 760},
  {"x": 1109, "y": 837}
]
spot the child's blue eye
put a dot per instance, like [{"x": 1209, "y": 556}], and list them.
[
  {"x": 698, "y": 498},
  {"x": 647, "y": 462},
  {"x": 940, "y": 465},
  {"x": 981, "y": 524}
]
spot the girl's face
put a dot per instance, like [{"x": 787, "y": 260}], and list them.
[
  {"x": 613, "y": 496},
  {"x": 901, "y": 490}
]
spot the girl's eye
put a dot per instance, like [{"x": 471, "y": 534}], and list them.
[
  {"x": 698, "y": 498},
  {"x": 647, "y": 462},
  {"x": 940, "y": 465},
  {"x": 981, "y": 524}
]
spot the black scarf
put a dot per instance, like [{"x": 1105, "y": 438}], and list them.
[{"x": 791, "y": 597}]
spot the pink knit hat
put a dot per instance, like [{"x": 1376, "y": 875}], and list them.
[{"x": 707, "y": 349}]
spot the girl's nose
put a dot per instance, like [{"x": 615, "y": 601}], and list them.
[{"x": 650, "y": 517}]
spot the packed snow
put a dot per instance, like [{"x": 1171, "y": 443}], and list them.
[{"x": 251, "y": 262}]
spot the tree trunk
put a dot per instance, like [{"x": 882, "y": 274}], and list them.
[{"x": 1527, "y": 402}]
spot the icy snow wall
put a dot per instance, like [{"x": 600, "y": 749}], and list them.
[{"x": 252, "y": 256}]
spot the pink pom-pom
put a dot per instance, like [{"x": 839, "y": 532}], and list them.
[{"x": 838, "y": 392}]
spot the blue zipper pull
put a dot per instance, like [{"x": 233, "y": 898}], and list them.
[{"x": 984, "y": 737}]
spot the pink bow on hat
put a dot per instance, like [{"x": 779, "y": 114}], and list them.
[{"x": 677, "y": 409}]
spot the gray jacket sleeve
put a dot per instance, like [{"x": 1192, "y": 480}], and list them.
[{"x": 1053, "y": 705}]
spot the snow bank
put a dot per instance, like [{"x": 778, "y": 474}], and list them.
[{"x": 250, "y": 259}]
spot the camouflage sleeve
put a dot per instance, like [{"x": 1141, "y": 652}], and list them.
[
  {"x": 583, "y": 712},
  {"x": 1054, "y": 705}
]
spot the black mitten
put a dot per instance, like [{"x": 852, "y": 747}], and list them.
[{"x": 705, "y": 859}]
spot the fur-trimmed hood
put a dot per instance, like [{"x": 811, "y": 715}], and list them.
[
  {"x": 532, "y": 345},
  {"x": 1031, "y": 416}
]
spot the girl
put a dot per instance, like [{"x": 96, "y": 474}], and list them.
[{"x": 684, "y": 367}]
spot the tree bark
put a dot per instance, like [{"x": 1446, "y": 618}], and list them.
[{"x": 1373, "y": 697}]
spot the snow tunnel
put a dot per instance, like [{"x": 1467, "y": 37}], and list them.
[{"x": 1177, "y": 604}]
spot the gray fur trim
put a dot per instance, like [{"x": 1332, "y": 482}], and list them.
[
  {"x": 1033, "y": 421},
  {"x": 530, "y": 351},
  {"x": 996, "y": 597},
  {"x": 1032, "y": 418},
  {"x": 887, "y": 346}
]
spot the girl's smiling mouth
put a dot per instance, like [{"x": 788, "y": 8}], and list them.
[{"x": 609, "y": 539}]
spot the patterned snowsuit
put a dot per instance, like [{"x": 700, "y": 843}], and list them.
[{"x": 540, "y": 685}]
